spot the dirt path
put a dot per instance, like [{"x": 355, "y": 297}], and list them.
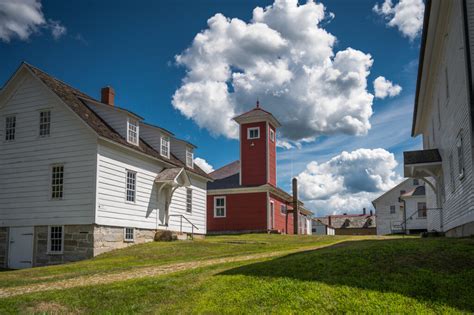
[{"x": 140, "y": 273}]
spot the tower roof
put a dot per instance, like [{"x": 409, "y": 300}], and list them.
[{"x": 257, "y": 114}]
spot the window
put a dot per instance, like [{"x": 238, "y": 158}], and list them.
[
  {"x": 451, "y": 172},
  {"x": 219, "y": 207},
  {"x": 132, "y": 131},
  {"x": 57, "y": 182},
  {"x": 45, "y": 123},
  {"x": 253, "y": 133},
  {"x": 283, "y": 208},
  {"x": 392, "y": 209},
  {"x": 459, "y": 145},
  {"x": 189, "y": 200},
  {"x": 416, "y": 182},
  {"x": 272, "y": 135},
  {"x": 165, "y": 146},
  {"x": 10, "y": 125},
  {"x": 189, "y": 158},
  {"x": 55, "y": 239},
  {"x": 129, "y": 234},
  {"x": 131, "y": 186},
  {"x": 421, "y": 209}
]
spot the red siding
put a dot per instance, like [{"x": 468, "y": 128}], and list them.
[
  {"x": 254, "y": 157},
  {"x": 244, "y": 212},
  {"x": 280, "y": 223},
  {"x": 272, "y": 157}
]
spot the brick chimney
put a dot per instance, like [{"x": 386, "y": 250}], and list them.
[
  {"x": 107, "y": 95},
  {"x": 371, "y": 212},
  {"x": 329, "y": 220},
  {"x": 364, "y": 212}
]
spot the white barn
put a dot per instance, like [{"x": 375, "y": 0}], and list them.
[
  {"x": 79, "y": 176},
  {"x": 444, "y": 114}
]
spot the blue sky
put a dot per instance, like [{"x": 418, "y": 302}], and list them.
[{"x": 132, "y": 47}]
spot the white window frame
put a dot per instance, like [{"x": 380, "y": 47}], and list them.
[
  {"x": 56, "y": 182},
  {"x": 189, "y": 200},
  {"x": 125, "y": 234},
  {"x": 249, "y": 130},
  {"x": 10, "y": 131},
  {"x": 283, "y": 206},
  {"x": 133, "y": 131},
  {"x": 55, "y": 252},
  {"x": 224, "y": 207},
  {"x": 460, "y": 152},
  {"x": 394, "y": 209},
  {"x": 424, "y": 210},
  {"x": 165, "y": 143},
  {"x": 44, "y": 123},
  {"x": 129, "y": 187},
  {"x": 272, "y": 135},
  {"x": 189, "y": 158}
]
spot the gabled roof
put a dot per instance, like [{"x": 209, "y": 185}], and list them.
[
  {"x": 226, "y": 170},
  {"x": 348, "y": 221},
  {"x": 74, "y": 99},
  {"x": 257, "y": 114},
  {"x": 421, "y": 156},
  {"x": 172, "y": 175},
  {"x": 418, "y": 191},
  {"x": 388, "y": 191}
]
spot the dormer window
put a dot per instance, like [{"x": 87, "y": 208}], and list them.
[
  {"x": 189, "y": 158},
  {"x": 253, "y": 133},
  {"x": 132, "y": 131},
  {"x": 165, "y": 146}
]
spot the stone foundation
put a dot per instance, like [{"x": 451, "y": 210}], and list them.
[
  {"x": 78, "y": 245},
  {"x": 462, "y": 230},
  {"x": 3, "y": 247},
  {"x": 107, "y": 238}
]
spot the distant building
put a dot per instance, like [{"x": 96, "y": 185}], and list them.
[
  {"x": 244, "y": 196},
  {"x": 351, "y": 224},
  {"x": 320, "y": 228},
  {"x": 392, "y": 210},
  {"x": 444, "y": 115}
]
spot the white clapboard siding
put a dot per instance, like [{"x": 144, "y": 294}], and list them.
[
  {"x": 25, "y": 164},
  {"x": 454, "y": 115},
  {"x": 112, "y": 207}
]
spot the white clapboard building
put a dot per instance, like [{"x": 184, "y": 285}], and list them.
[
  {"x": 444, "y": 116},
  {"x": 80, "y": 176}
]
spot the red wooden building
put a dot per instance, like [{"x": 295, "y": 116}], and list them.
[{"x": 244, "y": 196}]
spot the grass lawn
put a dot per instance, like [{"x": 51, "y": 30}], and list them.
[{"x": 373, "y": 276}]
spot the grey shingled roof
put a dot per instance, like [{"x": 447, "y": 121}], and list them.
[
  {"x": 168, "y": 174},
  {"x": 350, "y": 221},
  {"x": 226, "y": 171},
  {"x": 72, "y": 98},
  {"x": 421, "y": 156},
  {"x": 418, "y": 191}
]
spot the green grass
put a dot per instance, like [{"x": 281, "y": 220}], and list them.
[
  {"x": 162, "y": 253},
  {"x": 370, "y": 276}
]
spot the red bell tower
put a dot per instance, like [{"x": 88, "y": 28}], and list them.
[{"x": 257, "y": 147}]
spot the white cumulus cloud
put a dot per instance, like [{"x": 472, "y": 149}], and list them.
[
  {"x": 384, "y": 88},
  {"x": 204, "y": 165},
  {"x": 349, "y": 181},
  {"x": 286, "y": 59},
  {"x": 21, "y": 18},
  {"x": 406, "y": 15}
]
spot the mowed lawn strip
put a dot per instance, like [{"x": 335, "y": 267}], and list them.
[
  {"x": 390, "y": 276},
  {"x": 163, "y": 253}
]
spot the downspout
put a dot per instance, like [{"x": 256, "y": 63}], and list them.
[{"x": 467, "y": 50}]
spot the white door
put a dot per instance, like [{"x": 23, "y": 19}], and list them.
[{"x": 20, "y": 250}]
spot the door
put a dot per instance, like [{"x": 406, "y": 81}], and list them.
[
  {"x": 272, "y": 215},
  {"x": 20, "y": 250}
]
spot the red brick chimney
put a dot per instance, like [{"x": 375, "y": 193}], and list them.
[
  {"x": 107, "y": 95},
  {"x": 329, "y": 220}
]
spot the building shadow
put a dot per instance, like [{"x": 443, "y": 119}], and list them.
[{"x": 429, "y": 270}]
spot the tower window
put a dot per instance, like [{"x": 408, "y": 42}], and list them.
[
  {"x": 272, "y": 135},
  {"x": 253, "y": 133}
]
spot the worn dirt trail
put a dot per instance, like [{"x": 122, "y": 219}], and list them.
[{"x": 143, "y": 272}]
